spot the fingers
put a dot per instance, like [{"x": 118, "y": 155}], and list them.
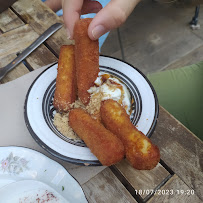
[
  {"x": 112, "y": 16},
  {"x": 72, "y": 10},
  {"x": 108, "y": 18},
  {"x": 71, "y": 13}
]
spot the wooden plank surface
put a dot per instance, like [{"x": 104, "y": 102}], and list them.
[
  {"x": 16, "y": 40},
  {"x": 40, "y": 17},
  {"x": 42, "y": 56},
  {"x": 184, "y": 156},
  {"x": 105, "y": 187},
  {"x": 20, "y": 70},
  {"x": 142, "y": 179},
  {"x": 175, "y": 190},
  {"x": 57, "y": 40},
  {"x": 36, "y": 14},
  {"x": 181, "y": 150},
  {"x": 156, "y": 35},
  {"x": 25, "y": 35},
  {"x": 9, "y": 20},
  {"x": 111, "y": 46},
  {"x": 191, "y": 58}
]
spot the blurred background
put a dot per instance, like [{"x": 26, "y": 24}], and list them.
[{"x": 158, "y": 36}]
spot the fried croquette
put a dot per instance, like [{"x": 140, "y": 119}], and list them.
[
  {"x": 139, "y": 150},
  {"x": 106, "y": 146},
  {"x": 65, "y": 93},
  {"x": 86, "y": 59}
]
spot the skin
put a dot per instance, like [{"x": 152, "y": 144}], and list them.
[{"x": 110, "y": 17}]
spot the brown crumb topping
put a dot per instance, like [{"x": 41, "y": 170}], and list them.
[
  {"x": 61, "y": 120},
  {"x": 61, "y": 123}
]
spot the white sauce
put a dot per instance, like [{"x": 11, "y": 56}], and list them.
[{"x": 111, "y": 88}]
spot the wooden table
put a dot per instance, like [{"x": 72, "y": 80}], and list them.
[{"x": 177, "y": 178}]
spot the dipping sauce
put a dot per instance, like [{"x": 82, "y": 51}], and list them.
[{"x": 109, "y": 87}]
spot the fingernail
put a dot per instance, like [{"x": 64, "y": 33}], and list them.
[
  {"x": 68, "y": 33},
  {"x": 98, "y": 31}
]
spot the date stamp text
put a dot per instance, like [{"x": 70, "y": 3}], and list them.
[{"x": 164, "y": 192}]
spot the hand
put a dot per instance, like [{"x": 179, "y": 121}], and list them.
[{"x": 111, "y": 16}]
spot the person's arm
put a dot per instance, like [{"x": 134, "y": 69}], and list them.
[{"x": 106, "y": 19}]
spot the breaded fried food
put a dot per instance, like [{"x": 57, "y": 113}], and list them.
[
  {"x": 140, "y": 151},
  {"x": 86, "y": 58},
  {"x": 65, "y": 93},
  {"x": 104, "y": 145}
]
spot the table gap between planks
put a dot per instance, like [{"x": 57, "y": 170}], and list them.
[{"x": 180, "y": 168}]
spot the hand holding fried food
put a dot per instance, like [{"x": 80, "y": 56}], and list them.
[
  {"x": 65, "y": 93},
  {"x": 140, "y": 151},
  {"x": 104, "y": 145},
  {"x": 87, "y": 59}
]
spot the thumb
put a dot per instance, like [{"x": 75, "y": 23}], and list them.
[{"x": 111, "y": 16}]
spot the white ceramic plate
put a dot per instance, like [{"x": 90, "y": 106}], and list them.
[
  {"x": 26, "y": 174},
  {"x": 27, "y": 191},
  {"x": 39, "y": 110}
]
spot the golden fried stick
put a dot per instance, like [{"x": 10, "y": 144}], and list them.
[
  {"x": 104, "y": 145},
  {"x": 65, "y": 93},
  {"x": 140, "y": 151},
  {"x": 86, "y": 59}
]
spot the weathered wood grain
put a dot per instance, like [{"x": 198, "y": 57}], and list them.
[
  {"x": 105, "y": 187},
  {"x": 155, "y": 35},
  {"x": 42, "y": 56},
  {"x": 16, "y": 40},
  {"x": 188, "y": 3},
  {"x": 57, "y": 40},
  {"x": 36, "y": 14},
  {"x": 19, "y": 71},
  {"x": 26, "y": 35},
  {"x": 191, "y": 58},
  {"x": 173, "y": 191},
  {"x": 40, "y": 17},
  {"x": 142, "y": 179},
  {"x": 9, "y": 20},
  {"x": 181, "y": 150},
  {"x": 111, "y": 46}
]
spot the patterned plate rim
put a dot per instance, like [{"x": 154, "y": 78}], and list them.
[
  {"x": 48, "y": 159},
  {"x": 80, "y": 161}
]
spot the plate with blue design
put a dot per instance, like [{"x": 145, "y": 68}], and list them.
[{"x": 39, "y": 110}]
